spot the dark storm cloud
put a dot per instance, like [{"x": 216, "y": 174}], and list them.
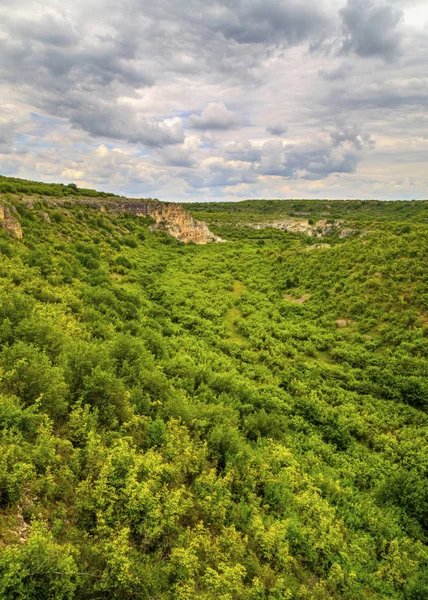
[{"x": 371, "y": 28}]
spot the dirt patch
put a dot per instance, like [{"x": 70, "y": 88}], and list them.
[
  {"x": 238, "y": 288},
  {"x": 297, "y": 299},
  {"x": 317, "y": 247},
  {"x": 423, "y": 318},
  {"x": 344, "y": 322}
]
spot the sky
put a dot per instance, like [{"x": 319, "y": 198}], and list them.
[{"x": 217, "y": 100}]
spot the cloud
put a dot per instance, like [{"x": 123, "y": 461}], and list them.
[
  {"x": 184, "y": 155},
  {"x": 47, "y": 29},
  {"x": 138, "y": 79},
  {"x": 7, "y": 135},
  {"x": 243, "y": 151},
  {"x": 371, "y": 28},
  {"x": 317, "y": 159},
  {"x": 121, "y": 123},
  {"x": 343, "y": 71},
  {"x": 389, "y": 94},
  {"x": 214, "y": 116},
  {"x": 49, "y": 51},
  {"x": 217, "y": 172},
  {"x": 340, "y": 152},
  {"x": 274, "y": 160},
  {"x": 350, "y": 136},
  {"x": 66, "y": 72},
  {"x": 268, "y": 21},
  {"x": 277, "y": 129}
]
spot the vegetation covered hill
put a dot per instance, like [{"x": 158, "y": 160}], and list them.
[
  {"x": 245, "y": 420},
  {"x": 359, "y": 210},
  {"x": 12, "y": 185}
]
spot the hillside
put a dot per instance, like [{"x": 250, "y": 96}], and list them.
[
  {"x": 361, "y": 210},
  {"x": 244, "y": 420},
  {"x": 169, "y": 217}
]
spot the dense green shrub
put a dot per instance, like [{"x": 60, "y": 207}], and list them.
[{"x": 240, "y": 420}]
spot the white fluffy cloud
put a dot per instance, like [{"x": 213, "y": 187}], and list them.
[{"x": 214, "y": 116}]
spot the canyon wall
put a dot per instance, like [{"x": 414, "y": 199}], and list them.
[{"x": 168, "y": 217}]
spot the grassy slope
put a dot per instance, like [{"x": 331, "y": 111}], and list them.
[{"x": 156, "y": 455}]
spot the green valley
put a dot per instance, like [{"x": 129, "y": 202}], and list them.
[{"x": 237, "y": 420}]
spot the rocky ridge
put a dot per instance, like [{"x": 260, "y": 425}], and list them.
[
  {"x": 177, "y": 222},
  {"x": 10, "y": 223},
  {"x": 168, "y": 217},
  {"x": 319, "y": 229}
]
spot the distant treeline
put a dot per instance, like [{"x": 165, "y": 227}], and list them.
[
  {"x": 12, "y": 185},
  {"x": 363, "y": 210}
]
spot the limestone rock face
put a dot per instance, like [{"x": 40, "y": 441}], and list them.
[
  {"x": 176, "y": 221},
  {"x": 10, "y": 223},
  {"x": 320, "y": 228},
  {"x": 172, "y": 218},
  {"x": 292, "y": 225},
  {"x": 345, "y": 232}
]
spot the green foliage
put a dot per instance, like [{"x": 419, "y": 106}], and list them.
[
  {"x": 40, "y": 568},
  {"x": 238, "y": 421},
  {"x": 29, "y": 374},
  {"x": 314, "y": 210},
  {"x": 12, "y": 185}
]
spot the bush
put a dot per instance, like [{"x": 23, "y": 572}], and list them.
[
  {"x": 37, "y": 569},
  {"x": 28, "y": 373}
]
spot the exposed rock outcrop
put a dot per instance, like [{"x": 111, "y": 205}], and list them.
[
  {"x": 297, "y": 299},
  {"x": 317, "y": 247},
  {"x": 169, "y": 217},
  {"x": 10, "y": 223},
  {"x": 318, "y": 230},
  {"x": 344, "y": 322},
  {"x": 173, "y": 219},
  {"x": 345, "y": 232}
]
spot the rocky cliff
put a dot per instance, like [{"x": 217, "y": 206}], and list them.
[
  {"x": 10, "y": 223},
  {"x": 176, "y": 221},
  {"x": 171, "y": 218},
  {"x": 319, "y": 229}
]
